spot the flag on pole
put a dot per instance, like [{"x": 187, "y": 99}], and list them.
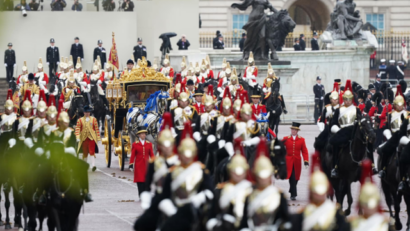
[
  {"x": 404, "y": 53},
  {"x": 113, "y": 59}
]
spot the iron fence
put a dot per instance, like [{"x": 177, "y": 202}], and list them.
[{"x": 390, "y": 46}]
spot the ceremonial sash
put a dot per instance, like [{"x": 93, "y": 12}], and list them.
[
  {"x": 203, "y": 121},
  {"x": 24, "y": 123},
  {"x": 220, "y": 125},
  {"x": 160, "y": 172},
  {"x": 320, "y": 216},
  {"x": 186, "y": 175},
  {"x": 256, "y": 203},
  {"x": 7, "y": 119},
  {"x": 37, "y": 125},
  {"x": 238, "y": 188},
  {"x": 50, "y": 129},
  {"x": 376, "y": 222}
]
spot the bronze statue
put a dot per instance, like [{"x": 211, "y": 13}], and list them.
[
  {"x": 345, "y": 21},
  {"x": 259, "y": 26}
]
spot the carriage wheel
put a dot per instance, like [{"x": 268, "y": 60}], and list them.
[
  {"x": 107, "y": 142},
  {"x": 119, "y": 149},
  {"x": 123, "y": 155}
]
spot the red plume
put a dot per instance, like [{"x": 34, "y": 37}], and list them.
[
  {"x": 187, "y": 132},
  {"x": 178, "y": 78},
  {"x": 42, "y": 96},
  {"x": 27, "y": 96},
  {"x": 315, "y": 163},
  {"x": 400, "y": 92},
  {"x": 183, "y": 89},
  {"x": 366, "y": 172},
  {"x": 237, "y": 146},
  {"x": 261, "y": 150},
  {"x": 166, "y": 121},
  {"x": 238, "y": 94},
  {"x": 348, "y": 86},
  {"x": 244, "y": 97},
  {"x": 9, "y": 95},
  {"x": 336, "y": 87},
  {"x": 210, "y": 90},
  {"x": 51, "y": 101},
  {"x": 60, "y": 107}
]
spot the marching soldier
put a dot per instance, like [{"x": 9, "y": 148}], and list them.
[
  {"x": 229, "y": 202},
  {"x": 140, "y": 50},
  {"x": 382, "y": 69},
  {"x": 331, "y": 104},
  {"x": 141, "y": 153},
  {"x": 295, "y": 145},
  {"x": 377, "y": 83},
  {"x": 10, "y": 62},
  {"x": 187, "y": 187},
  {"x": 251, "y": 71},
  {"x": 41, "y": 77},
  {"x": 370, "y": 216},
  {"x": 88, "y": 134},
  {"x": 8, "y": 125},
  {"x": 266, "y": 207},
  {"x": 100, "y": 51},
  {"x": 269, "y": 80},
  {"x": 52, "y": 58},
  {"x": 361, "y": 96},
  {"x": 167, "y": 70},
  {"x": 157, "y": 171},
  {"x": 40, "y": 119},
  {"x": 25, "y": 122},
  {"x": 183, "y": 113},
  {"x": 67, "y": 93},
  {"x": 392, "y": 131},
  {"x": 23, "y": 78},
  {"x": 342, "y": 125},
  {"x": 77, "y": 50},
  {"x": 319, "y": 91},
  {"x": 320, "y": 213}
]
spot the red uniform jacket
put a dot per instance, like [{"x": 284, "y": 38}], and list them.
[
  {"x": 372, "y": 111},
  {"x": 210, "y": 74},
  {"x": 361, "y": 107},
  {"x": 256, "y": 110},
  {"x": 293, "y": 150},
  {"x": 255, "y": 73},
  {"x": 45, "y": 77},
  {"x": 200, "y": 109},
  {"x": 383, "y": 116},
  {"x": 102, "y": 76},
  {"x": 171, "y": 72},
  {"x": 140, "y": 155}
]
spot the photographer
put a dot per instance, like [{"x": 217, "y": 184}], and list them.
[
  {"x": 109, "y": 5},
  {"x": 58, "y": 5},
  {"x": 24, "y": 4},
  {"x": 33, "y": 5},
  {"x": 77, "y": 6},
  {"x": 127, "y": 5},
  {"x": 183, "y": 43}
]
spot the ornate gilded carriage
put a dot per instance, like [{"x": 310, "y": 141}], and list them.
[{"x": 130, "y": 90}]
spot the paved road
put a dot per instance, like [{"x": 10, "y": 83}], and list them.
[{"x": 116, "y": 205}]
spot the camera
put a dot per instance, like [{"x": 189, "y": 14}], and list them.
[{"x": 23, "y": 11}]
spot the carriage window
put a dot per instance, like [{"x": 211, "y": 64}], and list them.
[{"x": 142, "y": 93}]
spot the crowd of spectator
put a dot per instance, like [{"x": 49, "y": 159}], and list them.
[{"x": 60, "y": 5}]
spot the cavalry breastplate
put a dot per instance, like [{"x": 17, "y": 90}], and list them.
[
  {"x": 396, "y": 121},
  {"x": 37, "y": 124},
  {"x": 262, "y": 208},
  {"x": 160, "y": 172},
  {"x": 329, "y": 113},
  {"x": 347, "y": 116},
  {"x": 49, "y": 128},
  {"x": 63, "y": 135},
  {"x": 7, "y": 125},
  {"x": 188, "y": 185},
  {"x": 241, "y": 130},
  {"x": 233, "y": 197},
  {"x": 233, "y": 88},
  {"x": 220, "y": 125},
  {"x": 205, "y": 123},
  {"x": 179, "y": 118},
  {"x": 22, "y": 127}
]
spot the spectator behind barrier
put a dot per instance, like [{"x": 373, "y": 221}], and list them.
[
  {"x": 77, "y": 6},
  {"x": 22, "y": 3},
  {"x": 33, "y": 5},
  {"x": 58, "y": 5},
  {"x": 127, "y": 5},
  {"x": 109, "y": 5},
  {"x": 183, "y": 43}
]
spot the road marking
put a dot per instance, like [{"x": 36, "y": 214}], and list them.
[{"x": 112, "y": 213}]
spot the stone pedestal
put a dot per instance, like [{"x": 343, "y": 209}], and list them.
[{"x": 297, "y": 79}]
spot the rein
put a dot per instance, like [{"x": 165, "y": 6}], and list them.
[{"x": 58, "y": 187}]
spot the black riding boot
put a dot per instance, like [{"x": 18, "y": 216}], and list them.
[
  {"x": 335, "y": 172},
  {"x": 402, "y": 171},
  {"x": 370, "y": 148},
  {"x": 87, "y": 196}
]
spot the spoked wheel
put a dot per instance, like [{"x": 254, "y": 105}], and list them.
[
  {"x": 106, "y": 141},
  {"x": 119, "y": 150}
]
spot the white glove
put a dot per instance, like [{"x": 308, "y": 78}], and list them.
[
  {"x": 321, "y": 126},
  {"x": 167, "y": 207},
  {"x": 229, "y": 148},
  {"x": 211, "y": 139},
  {"x": 145, "y": 200},
  {"x": 48, "y": 64},
  {"x": 321, "y": 98},
  {"x": 387, "y": 134},
  {"x": 197, "y": 136},
  {"x": 14, "y": 65},
  {"x": 334, "y": 129},
  {"x": 58, "y": 63},
  {"x": 5, "y": 64},
  {"x": 82, "y": 60},
  {"x": 404, "y": 140},
  {"x": 201, "y": 198},
  {"x": 253, "y": 141},
  {"x": 12, "y": 142}
]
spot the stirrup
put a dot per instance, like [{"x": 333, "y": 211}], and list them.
[{"x": 334, "y": 173}]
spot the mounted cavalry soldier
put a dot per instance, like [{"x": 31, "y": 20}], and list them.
[
  {"x": 25, "y": 122},
  {"x": 167, "y": 70},
  {"x": 331, "y": 104},
  {"x": 225, "y": 118},
  {"x": 269, "y": 80},
  {"x": 229, "y": 203},
  {"x": 40, "y": 119},
  {"x": 8, "y": 125},
  {"x": 343, "y": 124},
  {"x": 224, "y": 79},
  {"x": 184, "y": 68},
  {"x": 79, "y": 75},
  {"x": 370, "y": 216},
  {"x": 320, "y": 213},
  {"x": 251, "y": 71},
  {"x": 183, "y": 113},
  {"x": 158, "y": 169},
  {"x": 32, "y": 88},
  {"x": 209, "y": 72},
  {"x": 67, "y": 93},
  {"x": 51, "y": 125},
  {"x": 221, "y": 73},
  {"x": 203, "y": 76},
  {"x": 174, "y": 92},
  {"x": 187, "y": 187},
  {"x": 392, "y": 131},
  {"x": 41, "y": 77},
  {"x": 234, "y": 85}
]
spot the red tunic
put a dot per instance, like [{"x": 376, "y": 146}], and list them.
[
  {"x": 255, "y": 73},
  {"x": 361, "y": 107},
  {"x": 256, "y": 110},
  {"x": 383, "y": 115},
  {"x": 372, "y": 111},
  {"x": 210, "y": 74},
  {"x": 140, "y": 155},
  {"x": 102, "y": 76},
  {"x": 293, "y": 150},
  {"x": 200, "y": 109},
  {"x": 45, "y": 77},
  {"x": 171, "y": 72}
]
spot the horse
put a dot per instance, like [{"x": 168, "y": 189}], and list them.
[
  {"x": 76, "y": 109},
  {"x": 264, "y": 123},
  {"x": 350, "y": 158},
  {"x": 98, "y": 100},
  {"x": 405, "y": 163},
  {"x": 274, "y": 106}
]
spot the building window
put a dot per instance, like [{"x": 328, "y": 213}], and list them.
[
  {"x": 239, "y": 20},
  {"x": 377, "y": 20}
]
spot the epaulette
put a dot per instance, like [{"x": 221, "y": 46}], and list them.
[
  {"x": 147, "y": 142},
  {"x": 137, "y": 141},
  {"x": 299, "y": 137},
  {"x": 220, "y": 185},
  {"x": 173, "y": 108},
  {"x": 289, "y": 136}
]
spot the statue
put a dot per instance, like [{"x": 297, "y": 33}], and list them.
[
  {"x": 345, "y": 22},
  {"x": 259, "y": 28},
  {"x": 166, "y": 44}
]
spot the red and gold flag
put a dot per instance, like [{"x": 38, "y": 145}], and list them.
[{"x": 113, "y": 59}]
